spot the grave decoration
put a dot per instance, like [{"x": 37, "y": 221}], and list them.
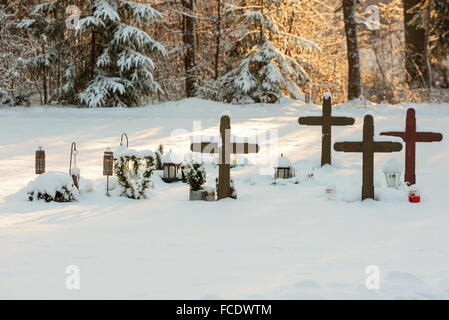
[
  {"x": 133, "y": 171},
  {"x": 411, "y": 137},
  {"x": 108, "y": 166},
  {"x": 326, "y": 121},
  {"x": 368, "y": 147},
  {"x": 414, "y": 195},
  {"x": 40, "y": 161},
  {"x": 225, "y": 149},
  {"x": 196, "y": 178},
  {"x": 52, "y": 186},
  {"x": 392, "y": 171},
  {"x": 171, "y": 164},
  {"x": 331, "y": 192},
  {"x": 74, "y": 171},
  {"x": 283, "y": 168}
]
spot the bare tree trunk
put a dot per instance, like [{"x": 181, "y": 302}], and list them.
[
  {"x": 189, "y": 38},
  {"x": 44, "y": 78},
  {"x": 427, "y": 56},
  {"x": 415, "y": 46},
  {"x": 353, "y": 52},
  {"x": 217, "y": 52}
]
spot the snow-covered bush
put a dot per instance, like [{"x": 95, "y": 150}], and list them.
[
  {"x": 261, "y": 72},
  {"x": 124, "y": 69},
  {"x": 52, "y": 186},
  {"x": 134, "y": 170},
  {"x": 195, "y": 175}
]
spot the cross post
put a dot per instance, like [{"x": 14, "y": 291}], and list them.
[
  {"x": 326, "y": 121},
  {"x": 410, "y": 137},
  {"x": 368, "y": 147},
  {"x": 227, "y": 147}
]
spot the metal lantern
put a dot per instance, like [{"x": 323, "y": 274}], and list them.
[
  {"x": 392, "y": 171},
  {"x": 40, "y": 161},
  {"x": 108, "y": 162},
  {"x": 283, "y": 168},
  {"x": 170, "y": 166},
  {"x": 108, "y": 165}
]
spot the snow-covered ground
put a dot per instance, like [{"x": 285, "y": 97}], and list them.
[{"x": 274, "y": 241}]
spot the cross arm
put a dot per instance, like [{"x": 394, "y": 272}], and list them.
[
  {"x": 428, "y": 137},
  {"x": 245, "y": 148},
  {"x": 342, "y": 121},
  {"x": 348, "y": 146},
  {"x": 387, "y": 146},
  {"x": 402, "y": 135},
  {"x": 311, "y": 121},
  {"x": 205, "y": 147}
]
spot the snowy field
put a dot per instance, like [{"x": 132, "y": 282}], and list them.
[{"x": 273, "y": 242}]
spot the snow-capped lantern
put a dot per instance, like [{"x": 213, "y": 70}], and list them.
[
  {"x": 414, "y": 194},
  {"x": 171, "y": 164},
  {"x": 40, "y": 161},
  {"x": 331, "y": 193},
  {"x": 74, "y": 171},
  {"x": 283, "y": 168},
  {"x": 392, "y": 171}
]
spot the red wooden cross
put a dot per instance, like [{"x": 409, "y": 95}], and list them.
[
  {"x": 368, "y": 147},
  {"x": 410, "y": 136}
]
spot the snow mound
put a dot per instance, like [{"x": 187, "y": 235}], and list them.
[
  {"x": 171, "y": 158},
  {"x": 52, "y": 185},
  {"x": 283, "y": 162}
]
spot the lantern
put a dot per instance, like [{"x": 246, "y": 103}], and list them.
[
  {"x": 392, "y": 171},
  {"x": 283, "y": 168},
  {"x": 40, "y": 161},
  {"x": 108, "y": 162},
  {"x": 331, "y": 192},
  {"x": 171, "y": 164},
  {"x": 108, "y": 165}
]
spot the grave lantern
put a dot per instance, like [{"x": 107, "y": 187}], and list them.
[
  {"x": 171, "y": 164},
  {"x": 108, "y": 164},
  {"x": 392, "y": 171},
  {"x": 283, "y": 168},
  {"x": 40, "y": 161}
]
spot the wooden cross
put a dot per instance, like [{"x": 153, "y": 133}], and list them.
[
  {"x": 410, "y": 136},
  {"x": 368, "y": 147},
  {"x": 225, "y": 150},
  {"x": 326, "y": 121}
]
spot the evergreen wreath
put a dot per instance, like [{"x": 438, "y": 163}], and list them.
[{"x": 134, "y": 174}]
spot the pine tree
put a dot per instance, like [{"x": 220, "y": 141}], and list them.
[
  {"x": 123, "y": 68},
  {"x": 261, "y": 72}
]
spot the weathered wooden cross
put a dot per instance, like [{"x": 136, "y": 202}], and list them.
[
  {"x": 227, "y": 147},
  {"x": 410, "y": 136},
  {"x": 368, "y": 147},
  {"x": 326, "y": 121}
]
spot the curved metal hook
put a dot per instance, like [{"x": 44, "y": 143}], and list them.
[
  {"x": 73, "y": 153},
  {"x": 121, "y": 139}
]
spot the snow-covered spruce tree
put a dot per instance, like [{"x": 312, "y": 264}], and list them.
[
  {"x": 123, "y": 68},
  {"x": 261, "y": 72}
]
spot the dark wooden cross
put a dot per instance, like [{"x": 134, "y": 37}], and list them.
[
  {"x": 411, "y": 137},
  {"x": 368, "y": 147},
  {"x": 326, "y": 121},
  {"x": 227, "y": 147}
]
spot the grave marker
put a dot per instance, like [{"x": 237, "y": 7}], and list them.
[
  {"x": 368, "y": 147},
  {"x": 227, "y": 147},
  {"x": 411, "y": 137},
  {"x": 326, "y": 121}
]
